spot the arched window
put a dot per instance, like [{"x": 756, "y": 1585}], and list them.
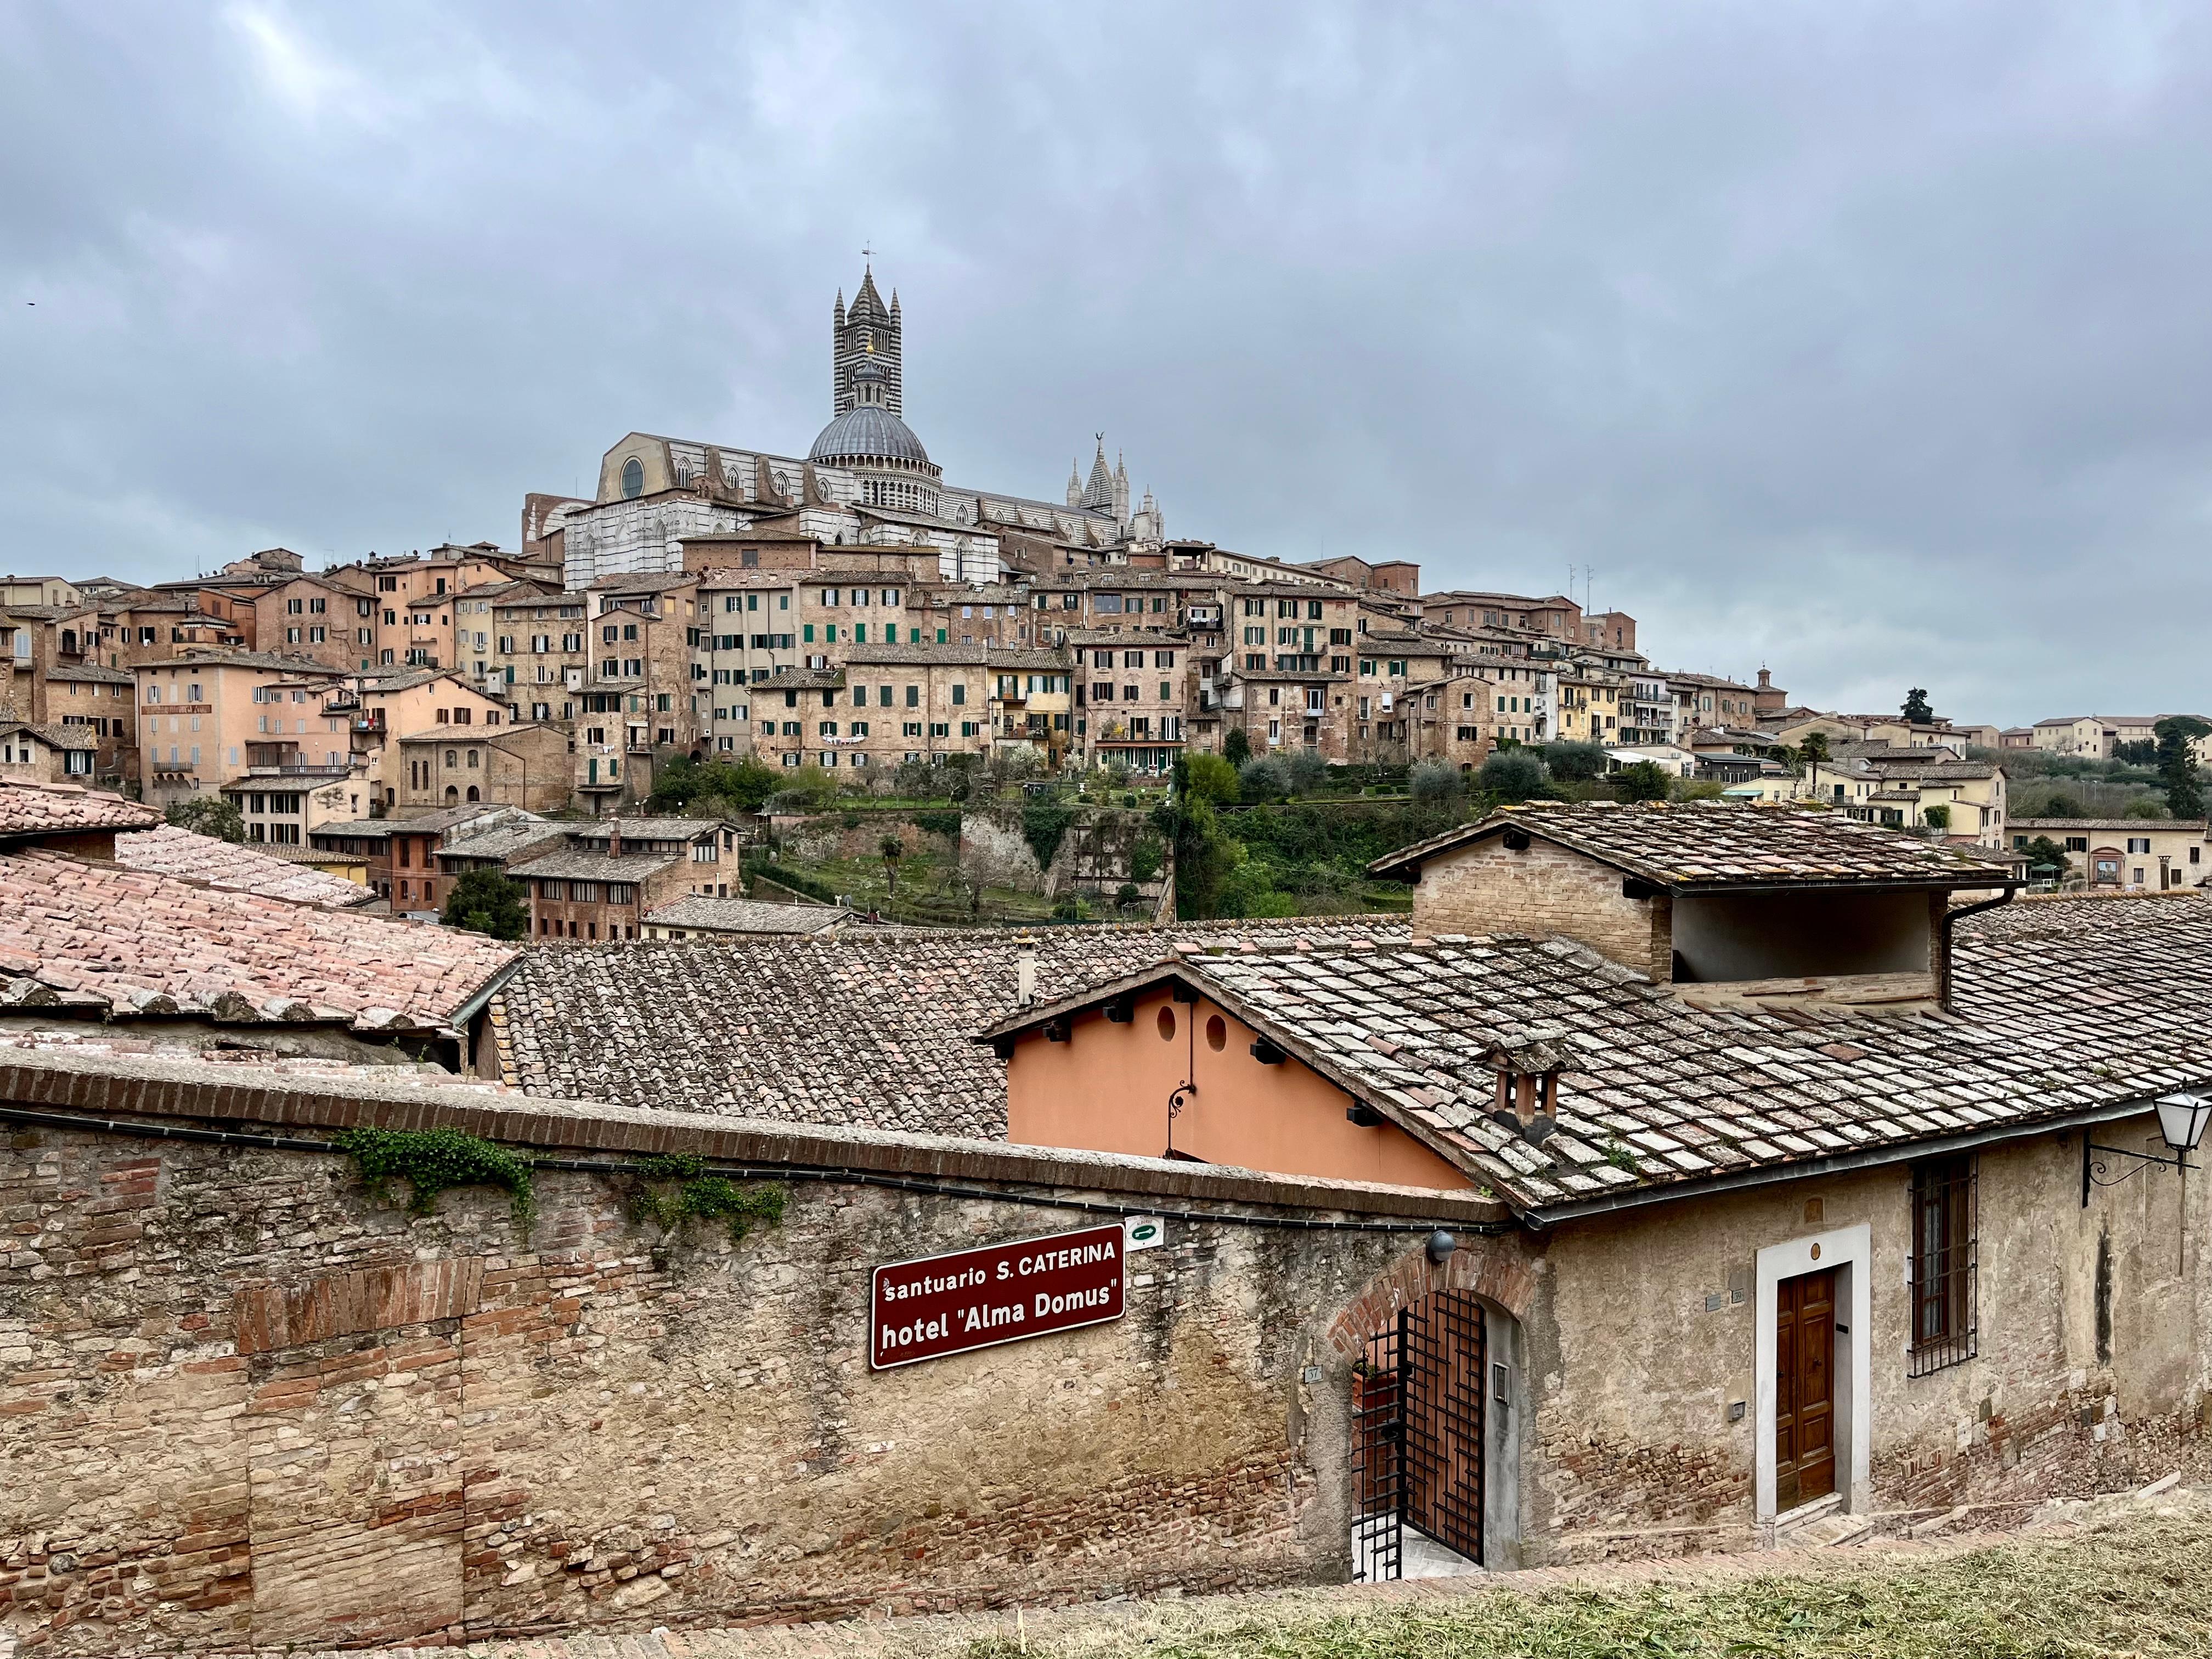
[
  {"x": 472, "y": 793},
  {"x": 452, "y": 759},
  {"x": 633, "y": 478},
  {"x": 452, "y": 796},
  {"x": 473, "y": 757}
]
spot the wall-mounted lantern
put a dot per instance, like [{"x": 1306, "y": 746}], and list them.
[{"x": 2181, "y": 1122}]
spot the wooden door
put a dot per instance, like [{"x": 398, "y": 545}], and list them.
[{"x": 1804, "y": 1389}]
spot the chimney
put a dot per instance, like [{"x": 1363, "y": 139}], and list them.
[
  {"x": 1025, "y": 975},
  {"x": 614, "y": 838},
  {"x": 1528, "y": 1097}
]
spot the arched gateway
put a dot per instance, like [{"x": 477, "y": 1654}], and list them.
[{"x": 1437, "y": 1408}]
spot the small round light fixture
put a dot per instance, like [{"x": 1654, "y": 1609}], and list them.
[{"x": 1441, "y": 1246}]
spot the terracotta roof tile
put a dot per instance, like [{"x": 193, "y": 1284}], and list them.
[
  {"x": 30, "y": 809},
  {"x": 864, "y": 1032},
  {"x": 170, "y": 851},
  {"x": 1649, "y": 1077},
  {"x": 1712, "y": 844},
  {"x": 129, "y": 939}
]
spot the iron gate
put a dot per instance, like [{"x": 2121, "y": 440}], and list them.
[{"x": 1417, "y": 1434}]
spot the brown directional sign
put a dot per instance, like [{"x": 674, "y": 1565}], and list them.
[{"x": 945, "y": 1304}]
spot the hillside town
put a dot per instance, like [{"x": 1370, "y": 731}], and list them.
[
  {"x": 520, "y": 1126},
  {"x": 849, "y": 615}
]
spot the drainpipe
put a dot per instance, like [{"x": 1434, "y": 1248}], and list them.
[{"x": 1943, "y": 943}]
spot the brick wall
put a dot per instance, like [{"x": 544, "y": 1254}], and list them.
[
  {"x": 242, "y": 1403},
  {"x": 1487, "y": 888}
]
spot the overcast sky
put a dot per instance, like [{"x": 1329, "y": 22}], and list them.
[{"x": 1873, "y": 344}]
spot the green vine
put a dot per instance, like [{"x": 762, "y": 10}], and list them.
[
  {"x": 432, "y": 1160},
  {"x": 682, "y": 1191}
]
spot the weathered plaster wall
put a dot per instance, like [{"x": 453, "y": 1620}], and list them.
[
  {"x": 243, "y": 1404},
  {"x": 1488, "y": 887},
  {"x": 1635, "y": 1454}
]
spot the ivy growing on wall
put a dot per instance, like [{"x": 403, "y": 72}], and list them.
[
  {"x": 1043, "y": 824},
  {"x": 677, "y": 1188},
  {"x": 430, "y": 1161}
]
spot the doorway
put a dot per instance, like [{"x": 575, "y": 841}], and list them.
[
  {"x": 1804, "y": 1388},
  {"x": 1421, "y": 1419}
]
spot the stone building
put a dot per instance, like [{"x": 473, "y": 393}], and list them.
[
  {"x": 1598, "y": 1235},
  {"x": 866, "y": 479},
  {"x": 614, "y": 873}
]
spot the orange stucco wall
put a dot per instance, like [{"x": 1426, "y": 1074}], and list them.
[{"x": 1106, "y": 1089}]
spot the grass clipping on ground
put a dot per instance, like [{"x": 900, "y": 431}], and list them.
[{"x": 2134, "y": 1587}]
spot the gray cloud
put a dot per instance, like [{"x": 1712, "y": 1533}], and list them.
[{"x": 1869, "y": 343}]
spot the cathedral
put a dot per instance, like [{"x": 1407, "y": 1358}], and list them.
[{"x": 866, "y": 479}]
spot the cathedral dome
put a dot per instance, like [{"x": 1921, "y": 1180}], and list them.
[{"x": 868, "y": 432}]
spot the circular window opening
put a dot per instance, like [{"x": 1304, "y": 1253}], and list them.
[
  {"x": 1167, "y": 1023},
  {"x": 1217, "y": 1034},
  {"x": 633, "y": 478}
]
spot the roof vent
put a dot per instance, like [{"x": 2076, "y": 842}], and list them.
[{"x": 1528, "y": 1097}]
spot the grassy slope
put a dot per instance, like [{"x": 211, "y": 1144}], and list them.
[{"x": 2142, "y": 1586}]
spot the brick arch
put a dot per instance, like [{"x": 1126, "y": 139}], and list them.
[{"x": 1498, "y": 1269}]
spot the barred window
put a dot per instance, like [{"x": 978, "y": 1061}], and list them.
[{"x": 1943, "y": 1264}]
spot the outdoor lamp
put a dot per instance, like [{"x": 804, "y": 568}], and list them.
[{"x": 2181, "y": 1119}]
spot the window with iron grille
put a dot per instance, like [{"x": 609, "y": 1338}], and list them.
[{"x": 1943, "y": 1264}]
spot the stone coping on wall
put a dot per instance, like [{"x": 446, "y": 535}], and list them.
[{"x": 147, "y": 1092}]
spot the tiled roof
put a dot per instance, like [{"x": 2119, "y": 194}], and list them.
[
  {"x": 874, "y": 1032},
  {"x": 53, "y": 733},
  {"x": 212, "y": 657},
  {"x": 570, "y": 865},
  {"x": 1658, "y": 1093},
  {"x": 142, "y": 943},
  {"x": 1709, "y": 845},
  {"x": 502, "y": 841},
  {"x": 951, "y": 656},
  {"x": 170, "y": 851},
  {"x": 91, "y": 674},
  {"x": 2132, "y": 826},
  {"x": 735, "y": 915},
  {"x": 41, "y": 809}
]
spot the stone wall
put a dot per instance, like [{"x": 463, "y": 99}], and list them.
[
  {"x": 1487, "y": 888},
  {"x": 2087, "y": 1377},
  {"x": 243, "y": 1402}
]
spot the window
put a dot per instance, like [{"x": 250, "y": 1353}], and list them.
[
  {"x": 1944, "y": 1265},
  {"x": 633, "y": 479},
  {"x": 2138, "y": 844},
  {"x": 960, "y": 695}
]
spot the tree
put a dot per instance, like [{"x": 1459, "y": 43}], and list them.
[
  {"x": 1642, "y": 781},
  {"x": 1304, "y": 771},
  {"x": 2143, "y": 751},
  {"x": 1204, "y": 856},
  {"x": 1916, "y": 708},
  {"x": 1126, "y": 896},
  {"x": 1211, "y": 778},
  {"x": 1435, "y": 783},
  {"x": 1577, "y": 762},
  {"x": 2045, "y": 851},
  {"x": 2177, "y": 737},
  {"x": 489, "y": 902},
  {"x": 1513, "y": 774},
  {"x": 209, "y": 815},
  {"x": 1237, "y": 748},
  {"x": 1814, "y": 748},
  {"x": 2144, "y": 807},
  {"x": 1262, "y": 779},
  {"x": 893, "y": 849},
  {"x": 1935, "y": 817}
]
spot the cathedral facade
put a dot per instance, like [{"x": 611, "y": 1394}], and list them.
[{"x": 865, "y": 480}]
